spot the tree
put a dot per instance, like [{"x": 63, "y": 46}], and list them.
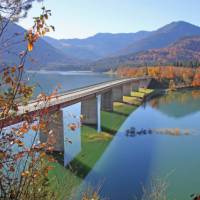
[{"x": 23, "y": 168}]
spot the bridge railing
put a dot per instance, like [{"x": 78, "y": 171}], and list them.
[{"x": 72, "y": 91}]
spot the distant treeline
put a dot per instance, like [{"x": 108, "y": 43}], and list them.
[{"x": 175, "y": 76}]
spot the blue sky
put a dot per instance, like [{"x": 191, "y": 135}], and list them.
[{"x": 83, "y": 18}]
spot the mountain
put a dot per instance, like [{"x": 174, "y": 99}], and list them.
[
  {"x": 43, "y": 55},
  {"x": 162, "y": 37},
  {"x": 98, "y": 46},
  {"x": 185, "y": 50},
  {"x": 101, "y": 51}
]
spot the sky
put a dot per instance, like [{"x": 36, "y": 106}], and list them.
[{"x": 84, "y": 18}]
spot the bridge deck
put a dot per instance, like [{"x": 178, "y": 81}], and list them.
[{"x": 70, "y": 97}]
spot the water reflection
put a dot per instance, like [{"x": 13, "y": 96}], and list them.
[
  {"x": 179, "y": 103},
  {"x": 129, "y": 164},
  {"x": 132, "y": 132}
]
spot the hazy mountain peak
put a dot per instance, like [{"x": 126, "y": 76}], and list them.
[{"x": 178, "y": 26}]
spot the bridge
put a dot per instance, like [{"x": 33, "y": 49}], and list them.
[{"x": 93, "y": 99}]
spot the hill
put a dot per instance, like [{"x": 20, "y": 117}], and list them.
[
  {"x": 43, "y": 55},
  {"x": 185, "y": 50},
  {"x": 103, "y": 50},
  {"x": 98, "y": 46},
  {"x": 163, "y": 37}
]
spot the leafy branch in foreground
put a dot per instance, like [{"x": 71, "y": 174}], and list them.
[{"x": 24, "y": 166}]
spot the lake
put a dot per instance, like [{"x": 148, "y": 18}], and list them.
[{"x": 165, "y": 146}]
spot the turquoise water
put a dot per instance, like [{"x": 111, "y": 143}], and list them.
[
  {"x": 130, "y": 163},
  {"x": 47, "y": 81},
  {"x": 169, "y": 153}
]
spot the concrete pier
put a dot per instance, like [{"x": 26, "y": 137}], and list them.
[
  {"x": 135, "y": 85},
  {"x": 106, "y": 101},
  {"x": 127, "y": 89},
  {"x": 117, "y": 94},
  {"x": 54, "y": 135},
  {"x": 89, "y": 111}
]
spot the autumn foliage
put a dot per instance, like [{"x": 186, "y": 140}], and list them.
[
  {"x": 179, "y": 76},
  {"x": 24, "y": 166}
]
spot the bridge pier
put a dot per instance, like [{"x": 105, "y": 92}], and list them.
[
  {"x": 127, "y": 89},
  {"x": 106, "y": 101},
  {"x": 144, "y": 83},
  {"x": 89, "y": 111},
  {"x": 135, "y": 85},
  {"x": 54, "y": 135},
  {"x": 117, "y": 94}
]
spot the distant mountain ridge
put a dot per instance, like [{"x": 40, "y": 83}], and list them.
[
  {"x": 103, "y": 50},
  {"x": 97, "y": 46},
  {"x": 163, "y": 37},
  {"x": 44, "y": 55},
  {"x": 185, "y": 50}
]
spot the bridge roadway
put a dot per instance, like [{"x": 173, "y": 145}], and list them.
[{"x": 68, "y": 98}]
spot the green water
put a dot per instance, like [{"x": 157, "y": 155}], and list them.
[
  {"x": 124, "y": 165},
  {"x": 170, "y": 152}
]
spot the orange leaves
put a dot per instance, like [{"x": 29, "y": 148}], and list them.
[
  {"x": 31, "y": 38},
  {"x": 51, "y": 159},
  {"x": 35, "y": 127},
  {"x": 25, "y": 174},
  {"x": 15, "y": 93},
  {"x": 24, "y": 128},
  {"x": 40, "y": 28},
  {"x": 72, "y": 126},
  {"x": 19, "y": 143},
  {"x": 42, "y": 125},
  {"x": 30, "y": 46},
  {"x": 43, "y": 154},
  {"x": 196, "y": 79},
  {"x": 182, "y": 76}
]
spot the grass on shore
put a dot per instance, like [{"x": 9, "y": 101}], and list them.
[{"x": 93, "y": 145}]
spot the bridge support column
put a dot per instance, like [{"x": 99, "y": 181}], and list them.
[
  {"x": 106, "y": 101},
  {"x": 145, "y": 83},
  {"x": 89, "y": 111},
  {"x": 117, "y": 94},
  {"x": 54, "y": 135},
  {"x": 135, "y": 86},
  {"x": 127, "y": 89}
]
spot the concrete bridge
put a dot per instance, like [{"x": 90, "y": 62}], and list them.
[{"x": 93, "y": 99}]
